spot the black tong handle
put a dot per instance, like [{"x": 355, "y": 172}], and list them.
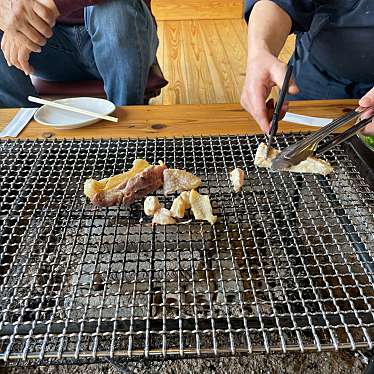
[
  {"x": 278, "y": 106},
  {"x": 283, "y": 92}
]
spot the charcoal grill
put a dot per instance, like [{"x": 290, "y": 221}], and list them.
[{"x": 288, "y": 266}]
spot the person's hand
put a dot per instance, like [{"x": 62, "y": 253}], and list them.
[
  {"x": 366, "y": 102},
  {"x": 264, "y": 71},
  {"x": 17, "y": 48},
  {"x": 30, "y": 24},
  {"x": 34, "y": 19}
]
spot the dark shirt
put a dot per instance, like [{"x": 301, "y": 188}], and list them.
[
  {"x": 72, "y": 10},
  {"x": 300, "y": 11},
  {"x": 336, "y": 35}
]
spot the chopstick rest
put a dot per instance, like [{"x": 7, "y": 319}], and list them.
[{"x": 18, "y": 123}]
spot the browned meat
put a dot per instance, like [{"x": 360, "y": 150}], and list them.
[
  {"x": 107, "y": 198},
  {"x": 137, "y": 187}
]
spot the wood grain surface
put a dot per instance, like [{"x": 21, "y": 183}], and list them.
[
  {"x": 197, "y": 9},
  {"x": 180, "y": 120},
  {"x": 174, "y": 65},
  {"x": 201, "y": 87},
  {"x": 205, "y": 60}
]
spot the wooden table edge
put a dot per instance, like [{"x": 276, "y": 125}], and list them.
[{"x": 169, "y": 121}]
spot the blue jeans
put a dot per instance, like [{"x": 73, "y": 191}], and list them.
[{"x": 117, "y": 44}]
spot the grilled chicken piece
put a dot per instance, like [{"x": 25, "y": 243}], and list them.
[
  {"x": 137, "y": 187},
  {"x": 185, "y": 195},
  {"x": 139, "y": 165},
  {"x": 163, "y": 217},
  {"x": 151, "y": 205},
  {"x": 237, "y": 179},
  {"x": 178, "y": 208},
  {"x": 179, "y": 180},
  {"x": 311, "y": 165},
  {"x": 201, "y": 207},
  {"x": 92, "y": 186}
]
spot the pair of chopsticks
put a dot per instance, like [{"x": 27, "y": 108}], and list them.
[
  {"x": 71, "y": 109},
  {"x": 278, "y": 107}
]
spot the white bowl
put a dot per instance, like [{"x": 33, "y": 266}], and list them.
[{"x": 64, "y": 120}]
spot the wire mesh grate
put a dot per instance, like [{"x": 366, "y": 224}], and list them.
[{"x": 288, "y": 266}]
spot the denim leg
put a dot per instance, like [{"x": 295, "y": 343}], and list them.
[
  {"x": 58, "y": 61},
  {"x": 124, "y": 44}
]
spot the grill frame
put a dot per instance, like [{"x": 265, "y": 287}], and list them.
[{"x": 229, "y": 324}]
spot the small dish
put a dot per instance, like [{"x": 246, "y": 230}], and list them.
[{"x": 65, "y": 120}]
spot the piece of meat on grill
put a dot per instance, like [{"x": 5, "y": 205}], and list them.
[
  {"x": 92, "y": 186},
  {"x": 237, "y": 179},
  {"x": 178, "y": 207},
  {"x": 163, "y": 217},
  {"x": 137, "y": 187},
  {"x": 202, "y": 208},
  {"x": 185, "y": 195},
  {"x": 312, "y": 165},
  {"x": 179, "y": 180},
  {"x": 151, "y": 205}
]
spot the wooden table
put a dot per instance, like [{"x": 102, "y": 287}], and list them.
[{"x": 181, "y": 120}]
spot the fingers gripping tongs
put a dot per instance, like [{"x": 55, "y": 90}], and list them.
[{"x": 301, "y": 150}]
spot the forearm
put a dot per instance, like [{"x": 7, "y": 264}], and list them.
[
  {"x": 268, "y": 29},
  {"x": 5, "y": 8}
]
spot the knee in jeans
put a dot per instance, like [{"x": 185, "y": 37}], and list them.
[
  {"x": 118, "y": 19},
  {"x": 123, "y": 29}
]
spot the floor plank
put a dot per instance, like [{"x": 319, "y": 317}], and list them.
[
  {"x": 235, "y": 51},
  {"x": 205, "y": 60},
  {"x": 167, "y": 10},
  {"x": 201, "y": 87},
  {"x": 223, "y": 77},
  {"x": 240, "y": 27},
  {"x": 174, "y": 65}
]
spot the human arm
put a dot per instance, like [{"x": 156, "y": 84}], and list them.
[
  {"x": 269, "y": 24},
  {"x": 268, "y": 29}
]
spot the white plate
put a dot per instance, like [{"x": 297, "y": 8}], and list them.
[{"x": 64, "y": 120}]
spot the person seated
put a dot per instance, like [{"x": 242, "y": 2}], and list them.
[
  {"x": 333, "y": 57},
  {"x": 67, "y": 40}
]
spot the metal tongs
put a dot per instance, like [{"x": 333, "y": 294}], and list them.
[{"x": 301, "y": 150}]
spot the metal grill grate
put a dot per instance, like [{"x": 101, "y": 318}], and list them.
[{"x": 288, "y": 266}]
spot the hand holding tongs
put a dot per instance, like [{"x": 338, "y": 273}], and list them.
[
  {"x": 278, "y": 107},
  {"x": 301, "y": 150}
]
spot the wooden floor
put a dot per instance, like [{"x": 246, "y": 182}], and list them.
[
  {"x": 203, "y": 50},
  {"x": 204, "y": 60}
]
